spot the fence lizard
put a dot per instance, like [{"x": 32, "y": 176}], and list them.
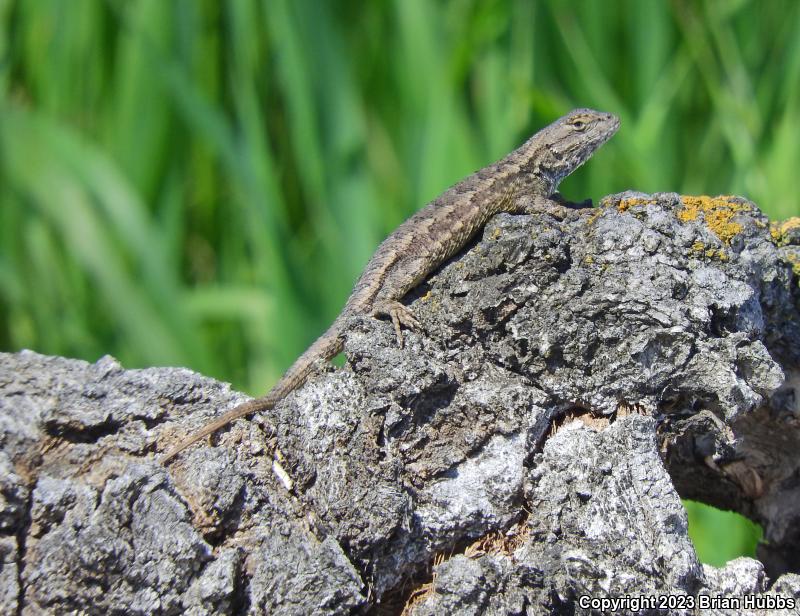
[{"x": 525, "y": 180}]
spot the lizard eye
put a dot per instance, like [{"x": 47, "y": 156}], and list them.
[{"x": 578, "y": 125}]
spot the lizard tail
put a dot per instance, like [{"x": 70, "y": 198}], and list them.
[
  {"x": 325, "y": 347},
  {"x": 259, "y": 404}
]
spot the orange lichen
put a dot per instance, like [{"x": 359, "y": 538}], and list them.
[{"x": 716, "y": 212}]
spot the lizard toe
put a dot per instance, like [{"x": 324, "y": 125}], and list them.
[{"x": 401, "y": 316}]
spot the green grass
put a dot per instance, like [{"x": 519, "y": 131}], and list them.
[
  {"x": 199, "y": 183},
  {"x": 721, "y": 536}
]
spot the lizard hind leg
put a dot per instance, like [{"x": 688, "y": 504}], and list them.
[{"x": 399, "y": 314}]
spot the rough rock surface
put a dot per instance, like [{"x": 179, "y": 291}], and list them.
[{"x": 524, "y": 454}]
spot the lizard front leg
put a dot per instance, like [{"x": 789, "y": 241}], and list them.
[
  {"x": 555, "y": 205},
  {"x": 400, "y": 315}
]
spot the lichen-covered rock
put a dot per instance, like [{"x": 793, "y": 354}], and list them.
[
  {"x": 589, "y": 521},
  {"x": 526, "y": 450},
  {"x": 92, "y": 523}
]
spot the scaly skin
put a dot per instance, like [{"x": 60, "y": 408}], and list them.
[{"x": 526, "y": 180}]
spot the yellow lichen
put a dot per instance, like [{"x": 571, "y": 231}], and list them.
[
  {"x": 719, "y": 254},
  {"x": 795, "y": 263},
  {"x": 790, "y": 223},
  {"x": 717, "y": 212},
  {"x": 779, "y": 230},
  {"x": 605, "y": 202},
  {"x": 595, "y": 215},
  {"x": 710, "y": 253},
  {"x": 625, "y": 204}
]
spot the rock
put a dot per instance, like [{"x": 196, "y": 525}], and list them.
[{"x": 524, "y": 454}]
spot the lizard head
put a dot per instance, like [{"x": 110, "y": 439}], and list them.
[{"x": 563, "y": 146}]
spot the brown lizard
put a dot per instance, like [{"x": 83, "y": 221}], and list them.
[{"x": 525, "y": 180}]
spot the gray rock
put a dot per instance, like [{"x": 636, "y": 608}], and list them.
[
  {"x": 9, "y": 575},
  {"x": 523, "y": 454}
]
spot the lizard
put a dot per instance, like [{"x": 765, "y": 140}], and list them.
[{"x": 524, "y": 181}]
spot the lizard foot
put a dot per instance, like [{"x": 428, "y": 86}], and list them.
[
  {"x": 560, "y": 208},
  {"x": 555, "y": 205},
  {"x": 400, "y": 315}
]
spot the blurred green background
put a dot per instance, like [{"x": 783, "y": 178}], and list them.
[{"x": 199, "y": 183}]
